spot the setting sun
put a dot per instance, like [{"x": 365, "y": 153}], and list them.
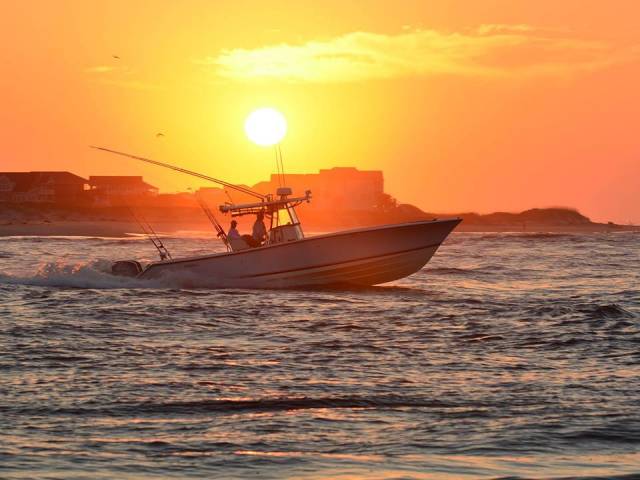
[{"x": 265, "y": 126}]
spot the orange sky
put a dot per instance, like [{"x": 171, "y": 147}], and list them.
[{"x": 465, "y": 105}]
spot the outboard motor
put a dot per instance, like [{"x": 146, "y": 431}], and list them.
[{"x": 126, "y": 268}]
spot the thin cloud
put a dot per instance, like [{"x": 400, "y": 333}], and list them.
[
  {"x": 132, "y": 84},
  {"x": 100, "y": 69},
  {"x": 496, "y": 28},
  {"x": 489, "y": 50},
  {"x": 119, "y": 76}
]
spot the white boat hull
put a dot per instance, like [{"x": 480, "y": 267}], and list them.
[{"x": 369, "y": 256}]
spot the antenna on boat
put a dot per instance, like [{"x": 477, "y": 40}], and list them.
[
  {"x": 279, "y": 165},
  {"x": 275, "y": 149},
  {"x": 239, "y": 188}
]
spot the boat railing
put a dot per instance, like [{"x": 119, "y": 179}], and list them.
[{"x": 271, "y": 205}]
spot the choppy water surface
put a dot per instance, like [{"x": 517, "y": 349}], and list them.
[{"x": 508, "y": 355}]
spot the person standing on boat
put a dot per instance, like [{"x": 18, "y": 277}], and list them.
[
  {"x": 259, "y": 229},
  {"x": 233, "y": 231}
]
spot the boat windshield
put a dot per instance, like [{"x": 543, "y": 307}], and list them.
[
  {"x": 293, "y": 215},
  {"x": 282, "y": 216},
  {"x": 285, "y": 226}
]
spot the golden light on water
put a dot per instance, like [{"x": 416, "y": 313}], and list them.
[{"x": 265, "y": 126}]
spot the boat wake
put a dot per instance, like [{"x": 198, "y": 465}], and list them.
[
  {"x": 91, "y": 275},
  {"x": 97, "y": 275}
]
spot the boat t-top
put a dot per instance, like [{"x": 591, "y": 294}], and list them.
[{"x": 287, "y": 258}]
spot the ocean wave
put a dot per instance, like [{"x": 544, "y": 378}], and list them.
[
  {"x": 615, "y": 432},
  {"x": 485, "y": 270},
  {"x": 524, "y": 236},
  {"x": 631, "y": 476},
  {"x": 607, "y": 311},
  {"x": 575, "y": 313},
  {"x": 448, "y": 271},
  {"x": 66, "y": 238},
  {"x": 550, "y": 310},
  {"x": 480, "y": 337},
  {"x": 244, "y": 405}
]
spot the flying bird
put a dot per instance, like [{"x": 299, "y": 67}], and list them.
[
  {"x": 159, "y": 134},
  {"x": 116, "y": 57}
]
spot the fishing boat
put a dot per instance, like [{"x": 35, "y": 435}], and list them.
[{"x": 287, "y": 258}]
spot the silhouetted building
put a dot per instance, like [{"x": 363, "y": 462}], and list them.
[
  {"x": 118, "y": 185},
  {"x": 339, "y": 187},
  {"x": 41, "y": 187},
  {"x": 120, "y": 190},
  {"x": 216, "y": 196},
  {"x": 178, "y": 199}
]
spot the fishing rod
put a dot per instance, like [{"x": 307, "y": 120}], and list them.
[
  {"x": 239, "y": 188},
  {"x": 152, "y": 236},
  {"x": 214, "y": 221}
]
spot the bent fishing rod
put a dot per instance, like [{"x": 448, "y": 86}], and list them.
[{"x": 239, "y": 188}]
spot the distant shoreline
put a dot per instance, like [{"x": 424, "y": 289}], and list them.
[
  {"x": 128, "y": 229},
  {"x": 90, "y": 221}
]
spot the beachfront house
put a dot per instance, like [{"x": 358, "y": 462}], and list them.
[
  {"x": 120, "y": 190},
  {"x": 41, "y": 187}
]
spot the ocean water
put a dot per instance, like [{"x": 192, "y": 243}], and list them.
[{"x": 509, "y": 355}]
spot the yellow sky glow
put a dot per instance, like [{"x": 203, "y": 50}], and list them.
[{"x": 465, "y": 106}]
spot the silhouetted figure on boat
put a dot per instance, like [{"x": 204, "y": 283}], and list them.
[
  {"x": 259, "y": 230},
  {"x": 233, "y": 231},
  {"x": 238, "y": 241},
  {"x": 242, "y": 242}
]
